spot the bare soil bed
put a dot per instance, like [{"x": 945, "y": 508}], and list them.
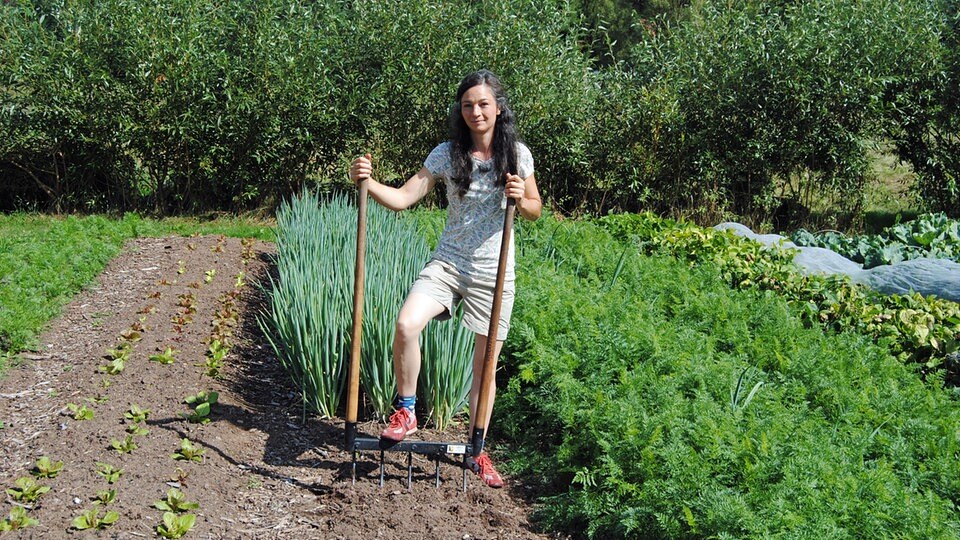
[{"x": 267, "y": 471}]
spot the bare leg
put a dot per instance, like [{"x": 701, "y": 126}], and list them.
[
  {"x": 479, "y": 351},
  {"x": 417, "y": 311}
]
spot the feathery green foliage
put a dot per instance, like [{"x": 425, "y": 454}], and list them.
[{"x": 665, "y": 404}]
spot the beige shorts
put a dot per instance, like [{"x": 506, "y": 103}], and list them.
[{"x": 442, "y": 282}]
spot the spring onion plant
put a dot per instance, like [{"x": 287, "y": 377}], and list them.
[{"x": 311, "y": 302}]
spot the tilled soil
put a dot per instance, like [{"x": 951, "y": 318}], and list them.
[{"x": 267, "y": 470}]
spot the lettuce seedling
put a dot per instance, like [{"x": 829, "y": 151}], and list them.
[
  {"x": 202, "y": 402},
  {"x": 175, "y": 526},
  {"x": 105, "y": 497},
  {"x": 131, "y": 335},
  {"x": 125, "y": 446},
  {"x": 176, "y": 502},
  {"x": 45, "y": 468},
  {"x": 91, "y": 519},
  {"x": 188, "y": 451},
  {"x": 18, "y": 519},
  {"x": 118, "y": 359},
  {"x": 214, "y": 358},
  {"x": 209, "y": 275},
  {"x": 167, "y": 357},
  {"x": 136, "y": 415},
  {"x": 137, "y": 429},
  {"x": 80, "y": 412},
  {"x": 26, "y": 490},
  {"x": 111, "y": 473}
]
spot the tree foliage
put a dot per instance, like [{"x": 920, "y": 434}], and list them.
[{"x": 704, "y": 108}]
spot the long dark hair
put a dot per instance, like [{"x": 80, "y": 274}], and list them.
[{"x": 504, "y": 134}]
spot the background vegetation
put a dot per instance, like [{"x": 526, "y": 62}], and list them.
[{"x": 762, "y": 110}]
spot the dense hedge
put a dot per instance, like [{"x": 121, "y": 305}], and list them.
[{"x": 184, "y": 105}]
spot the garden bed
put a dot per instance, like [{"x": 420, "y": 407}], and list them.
[{"x": 267, "y": 470}]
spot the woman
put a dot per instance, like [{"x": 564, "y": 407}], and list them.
[{"x": 481, "y": 165}]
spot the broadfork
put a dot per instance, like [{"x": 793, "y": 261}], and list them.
[{"x": 354, "y": 443}]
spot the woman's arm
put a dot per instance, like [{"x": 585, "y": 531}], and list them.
[
  {"x": 525, "y": 191},
  {"x": 401, "y": 198}
]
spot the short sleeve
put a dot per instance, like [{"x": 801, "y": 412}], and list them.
[
  {"x": 524, "y": 161},
  {"x": 438, "y": 162}
]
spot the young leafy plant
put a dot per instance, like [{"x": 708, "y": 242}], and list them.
[
  {"x": 80, "y": 412},
  {"x": 137, "y": 429},
  {"x": 176, "y": 501},
  {"x": 167, "y": 357},
  {"x": 26, "y": 490},
  {"x": 111, "y": 473},
  {"x": 201, "y": 402},
  {"x": 175, "y": 526},
  {"x": 125, "y": 446},
  {"x": 90, "y": 519},
  {"x": 136, "y": 414},
  {"x": 209, "y": 275},
  {"x": 214, "y": 358},
  {"x": 105, "y": 497},
  {"x": 45, "y": 468},
  {"x": 114, "y": 367},
  {"x": 18, "y": 519},
  {"x": 188, "y": 451}
]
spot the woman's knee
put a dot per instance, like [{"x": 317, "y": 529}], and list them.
[{"x": 408, "y": 327}]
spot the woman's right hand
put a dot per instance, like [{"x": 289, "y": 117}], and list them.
[{"x": 361, "y": 169}]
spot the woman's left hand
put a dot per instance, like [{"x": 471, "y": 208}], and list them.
[{"x": 515, "y": 188}]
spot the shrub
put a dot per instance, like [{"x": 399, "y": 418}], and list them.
[{"x": 761, "y": 100}]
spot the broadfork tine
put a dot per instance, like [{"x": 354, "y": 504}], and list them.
[
  {"x": 437, "y": 473},
  {"x": 381, "y": 468},
  {"x": 409, "y": 470},
  {"x": 353, "y": 467}
]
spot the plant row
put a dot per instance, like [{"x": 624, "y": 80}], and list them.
[
  {"x": 309, "y": 322},
  {"x": 914, "y": 328},
  {"x": 647, "y": 398},
  {"x": 27, "y": 491},
  {"x": 177, "y": 520},
  {"x": 929, "y": 235},
  {"x": 45, "y": 260}
]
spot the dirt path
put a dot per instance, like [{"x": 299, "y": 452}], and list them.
[{"x": 264, "y": 473}]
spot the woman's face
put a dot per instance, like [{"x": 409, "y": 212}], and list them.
[{"x": 479, "y": 109}]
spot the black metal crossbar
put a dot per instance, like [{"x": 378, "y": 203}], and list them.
[{"x": 434, "y": 449}]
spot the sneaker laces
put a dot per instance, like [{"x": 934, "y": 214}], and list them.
[
  {"x": 401, "y": 418},
  {"x": 484, "y": 468}
]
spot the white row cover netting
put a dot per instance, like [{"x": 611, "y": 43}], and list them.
[{"x": 937, "y": 277}]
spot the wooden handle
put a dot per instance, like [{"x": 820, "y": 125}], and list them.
[
  {"x": 353, "y": 380},
  {"x": 489, "y": 358}
]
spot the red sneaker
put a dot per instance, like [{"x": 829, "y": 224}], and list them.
[
  {"x": 484, "y": 468},
  {"x": 402, "y": 423}
]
